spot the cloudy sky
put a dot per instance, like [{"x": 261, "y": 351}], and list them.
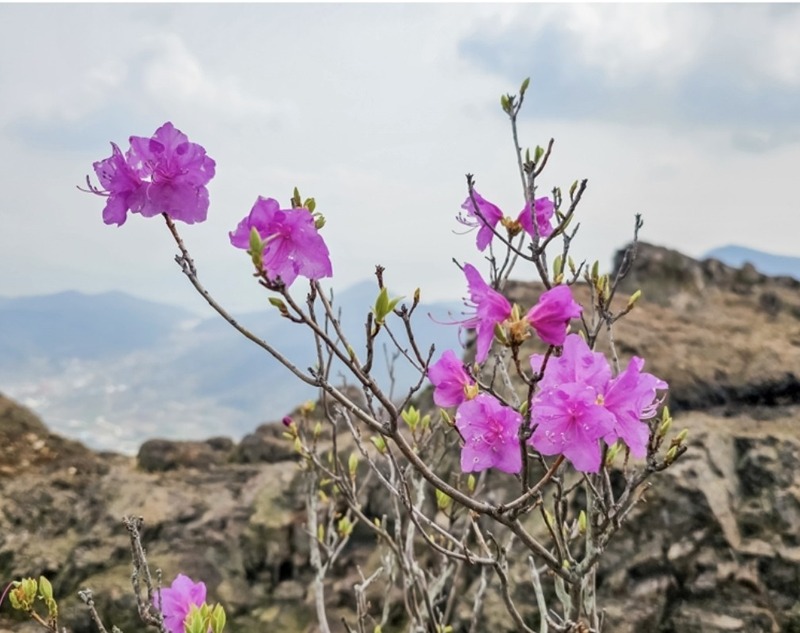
[{"x": 688, "y": 114}]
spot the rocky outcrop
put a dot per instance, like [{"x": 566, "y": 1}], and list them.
[{"x": 714, "y": 548}]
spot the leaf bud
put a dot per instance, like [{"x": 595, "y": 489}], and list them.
[
  {"x": 524, "y": 86},
  {"x": 505, "y": 103},
  {"x": 442, "y": 500},
  {"x": 538, "y": 153},
  {"x": 558, "y": 265},
  {"x": 344, "y": 527},
  {"x": 582, "y": 522},
  {"x": 633, "y": 299},
  {"x": 352, "y": 464},
  {"x": 379, "y": 443},
  {"x": 471, "y": 483},
  {"x": 319, "y": 221}
]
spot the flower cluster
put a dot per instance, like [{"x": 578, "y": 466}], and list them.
[
  {"x": 164, "y": 173},
  {"x": 167, "y": 174},
  {"x": 576, "y": 406},
  {"x": 578, "y": 403}
]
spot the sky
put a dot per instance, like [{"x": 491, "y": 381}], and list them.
[{"x": 687, "y": 114}]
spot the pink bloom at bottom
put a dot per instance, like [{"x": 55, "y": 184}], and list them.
[
  {"x": 490, "y": 436},
  {"x": 570, "y": 421},
  {"x": 177, "y": 600}
]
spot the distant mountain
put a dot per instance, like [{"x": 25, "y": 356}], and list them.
[
  {"x": 766, "y": 263},
  {"x": 113, "y": 370},
  {"x": 75, "y": 325}
]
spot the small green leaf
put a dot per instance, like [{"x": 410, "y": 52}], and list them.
[{"x": 524, "y": 86}]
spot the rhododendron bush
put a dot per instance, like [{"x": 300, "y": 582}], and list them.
[{"x": 514, "y": 460}]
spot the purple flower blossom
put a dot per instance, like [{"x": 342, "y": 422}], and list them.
[
  {"x": 543, "y": 209},
  {"x": 161, "y": 174},
  {"x": 570, "y": 422},
  {"x": 177, "y": 600},
  {"x": 491, "y": 308},
  {"x": 578, "y": 403},
  {"x": 486, "y": 224},
  {"x": 577, "y": 363},
  {"x": 292, "y": 244},
  {"x": 550, "y": 315},
  {"x": 490, "y": 436},
  {"x": 631, "y": 397},
  {"x": 121, "y": 185},
  {"x": 450, "y": 380}
]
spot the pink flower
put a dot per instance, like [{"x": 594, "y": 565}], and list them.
[
  {"x": 491, "y": 215},
  {"x": 450, "y": 380},
  {"x": 121, "y": 185},
  {"x": 631, "y": 397},
  {"x": 161, "y": 174},
  {"x": 577, "y": 363},
  {"x": 570, "y": 421},
  {"x": 178, "y": 172},
  {"x": 550, "y": 315},
  {"x": 490, "y": 436},
  {"x": 578, "y": 403},
  {"x": 177, "y": 599},
  {"x": 491, "y": 308},
  {"x": 292, "y": 244},
  {"x": 544, "y": 209}
]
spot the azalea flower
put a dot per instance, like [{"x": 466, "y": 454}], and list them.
[
  {"x": 550, "y": 315},
  {"x": 631, "y": 397},
  {"x": 486, "y": 224},
  {"x": 451, "y": 381},
  {"x": 490, "y": 436},
  {"x": 491, "y": 308},
  {"x": 543, "y": 209},
  {"x": 570, "y": 422},
  {"x": 164, "y": 173},
  {"x": 178, "y": 599},
  {"x": 121, "y": 185},
  {"x": 578, "y": 404},
  {"x": 292, "y": 244}
]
